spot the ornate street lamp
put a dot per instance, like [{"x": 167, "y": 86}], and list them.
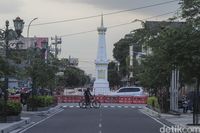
[
  {"x": 19, "y": 25},
  {"x": 8, "y": 35}
]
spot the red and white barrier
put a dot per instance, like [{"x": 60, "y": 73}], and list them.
[
  {"x": 106, "y": 99},
  {"x": 14, "y": 98}
]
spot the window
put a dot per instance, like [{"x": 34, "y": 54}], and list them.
[{"x": 135, "y": 89}]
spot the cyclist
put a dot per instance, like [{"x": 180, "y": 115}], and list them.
[{"x": 87, "y": 96}]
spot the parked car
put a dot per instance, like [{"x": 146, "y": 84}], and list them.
[{"x": 129, "y": 91}]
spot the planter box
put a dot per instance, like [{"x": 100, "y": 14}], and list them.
[
  {"x": 38, "y": 109},
  {"x": 43, "y": 108},
  {"x": 10, "y": 119}
]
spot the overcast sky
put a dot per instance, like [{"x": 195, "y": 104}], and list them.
[{"x": 82, "y": 46}]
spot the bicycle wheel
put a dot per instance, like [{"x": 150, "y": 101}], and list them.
[
  {"x": 82, "y": 104},
  {"x": 96, "y": 104}
]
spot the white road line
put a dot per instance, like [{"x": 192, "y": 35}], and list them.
[
  {"x": 105, "y": 106},
  {"x": 119, "y": 106},
  {"x": 125, "y": 106},
  {"x": 41, "y": 121},
  {"x": 112, "y": 106},
  {"x": 77, "y": 106},
  {"x": 100, "y": 131},
  {"x": 155, "y": 119},
  {"x": 133, "y": 107},
  {"x": 64, "y": 106},
  {"x": 100, "y": 125},
  {"x": 71, "y": 106}
]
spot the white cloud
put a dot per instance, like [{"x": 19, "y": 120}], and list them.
[{"x": 10, "y": 6}]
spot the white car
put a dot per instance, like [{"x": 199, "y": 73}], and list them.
[{"x": 128, "y": 91}]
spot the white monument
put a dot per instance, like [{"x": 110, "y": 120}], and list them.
[{"x": 101, "y": 85}]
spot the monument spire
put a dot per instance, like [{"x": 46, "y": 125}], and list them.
[
  {"x": 102, "y": 20},
  {"x": 101, "y": 85}
]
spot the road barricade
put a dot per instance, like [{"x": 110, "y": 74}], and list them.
[
  {"x": 125, "y": 100},
  {"x": 111, "y": 99},
  {"x": 14, "y": 98},
  {"x": 100, "y": 98},
  {"x": 59, "y": 99},
  {"x": 106, "y": 99},
  {"x": 77, "y": 98}
]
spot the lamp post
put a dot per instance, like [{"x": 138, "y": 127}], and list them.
[
  {"x": 29, "y": 26},
  {"x": 7, "y": 35},
  {"x": 136, "y": 20}
]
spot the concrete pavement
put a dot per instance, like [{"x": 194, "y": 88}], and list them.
[
  {"x": 107, "y": 119},
  {"x": 27, "y": 118}
]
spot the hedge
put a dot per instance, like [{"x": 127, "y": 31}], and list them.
[
  {"x": 12, "y": 108},
  {"x": 153, "y": 102},
  {"x": 40, "y": 101}
]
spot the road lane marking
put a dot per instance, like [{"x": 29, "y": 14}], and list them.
[
  {"x": 71, "y": 106},
  {"x": 125, "y": 106},
  {"x": 154, "y": 119},
  {"x": 41, "y": 121},
  {"x": 100, "y": 125},
  {"x": 119, "y": 106},
  {"x": 105, "y": 106}
]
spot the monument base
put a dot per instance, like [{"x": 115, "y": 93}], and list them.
[{"x": 101, "y": 88}]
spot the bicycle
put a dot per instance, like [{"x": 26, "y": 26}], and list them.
[{"x": 94, "y": 103}]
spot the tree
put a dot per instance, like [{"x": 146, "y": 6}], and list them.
[
  {"x": 73, "y": 77},
  {"x": 113, "y": 75}
]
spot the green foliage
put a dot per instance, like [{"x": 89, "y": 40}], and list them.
[
  {"x": 73, "y": 77},
  {"x": 153, "y": 102},
  {"x": 13, "y": 108},
  {"x": 40, "y": 101},
  {"x": 121, "y": 50},
  {"x": 113, "y": 74}
]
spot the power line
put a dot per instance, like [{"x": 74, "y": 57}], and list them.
[
  {"x": 142, "y": 7},
  {"x": 119, "y": 25},
  {"x": 111, "y": 13}
]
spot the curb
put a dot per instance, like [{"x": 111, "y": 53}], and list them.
[
  {"x": 15, "y": 125},
  {"x": 51, "y": 110},
  {"x": 152, "y": 112},
  {"x": 26, "y": 120}
]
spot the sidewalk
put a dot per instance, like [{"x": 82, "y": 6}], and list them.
[
  {"x": 8, "y": 127},
  {"x": 27, "y": 118},
  {"x": 169, "y": 119}
]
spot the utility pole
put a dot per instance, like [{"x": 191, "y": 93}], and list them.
[
  {"x": 131, "y": 62},
  {"x": 55, "y": 42},
  {"x": 174, "y": 90}
]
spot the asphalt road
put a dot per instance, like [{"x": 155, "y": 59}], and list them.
[{"x": 103, "y": 120}]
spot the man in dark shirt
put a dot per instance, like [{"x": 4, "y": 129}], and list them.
[{"x": 87, "y": 95}]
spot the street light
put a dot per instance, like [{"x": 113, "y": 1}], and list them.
[
  {"x": 136, "y": 20},
  {"x": 29, "y": 26},
  {"x": 19, "y": 25},
  {"x": 8, "y": 35}
]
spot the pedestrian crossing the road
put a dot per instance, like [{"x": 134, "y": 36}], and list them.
[{"x": 109, "y": 106}]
